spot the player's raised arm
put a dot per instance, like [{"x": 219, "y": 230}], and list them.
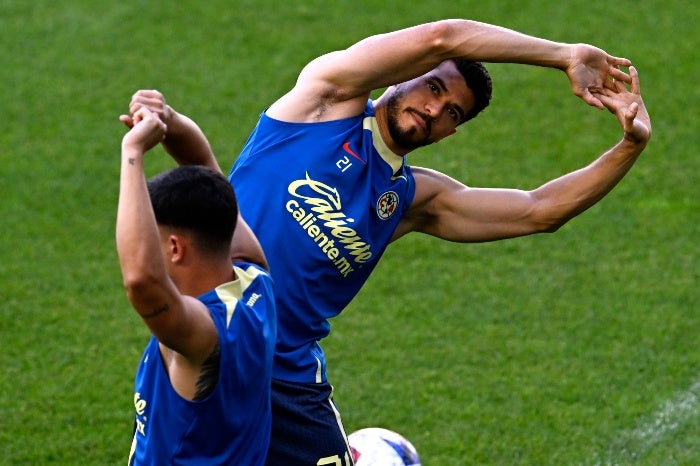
[
  {"x": 179, "y": 322},
  {"x": 245, "y": 246},
  {"x": 337, "y": 84}
]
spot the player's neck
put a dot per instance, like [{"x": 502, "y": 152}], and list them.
[{"x": 204, "y": 276}]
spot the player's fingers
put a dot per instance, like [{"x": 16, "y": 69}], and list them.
[
  {"x": 619, "y": 86},
  {"x": 591, "y": 99},
  {"x": 152, "y": 98},
  {"x": 141, "y": 114},
  {"x": 157, "y": 119},
  {"x": 630, "y": 115},
  {"x": 634, "y": 77},
  {"x": 134, "y": 106},
  {"x": 607, "y": 101},
  {"x": 610, "y": 84},
  {"x": 161, "y": 127},
  {"x": 631, "y": 112},
  {"x": 151, "y": 93},
  {"x": 619, "y": 75},
  {"x": 619, "y": 61},
  {"x": 146, "y": 93},
  {"x": 154, "y": 104},
  {"x": 127, "y": 120}
]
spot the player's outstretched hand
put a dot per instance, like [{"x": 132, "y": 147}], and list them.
[
  {"x": 628, "y": 107},
  {"x": 146, "y": 131},
  {"x": 153, "y": 100},
  {"x": 590, "y": 68}
]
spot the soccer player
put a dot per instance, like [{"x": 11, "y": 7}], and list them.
[
  {"x": 323, "y": 182},
  {"x": 202, "y": 390}
]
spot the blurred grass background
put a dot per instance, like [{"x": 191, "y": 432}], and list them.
[{"x": 574, "y": 348}]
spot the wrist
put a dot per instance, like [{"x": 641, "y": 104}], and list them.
[
  {"x": 169, "y": 115},
  {"x": 132, "y": 153},
  {"x": 557, "y": 55},
  {"x": 566, "y": 56},
  {"x": 633, "y": 139}
]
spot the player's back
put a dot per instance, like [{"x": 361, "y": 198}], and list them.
[{"x": 232, "y": 424}]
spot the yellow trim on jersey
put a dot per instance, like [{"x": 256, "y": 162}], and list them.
[
  {"x": 394, "y": 161},
  {"x": 230, "y": 293}
]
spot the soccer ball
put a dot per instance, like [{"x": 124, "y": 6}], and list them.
[{"x": 374, "y": 446}]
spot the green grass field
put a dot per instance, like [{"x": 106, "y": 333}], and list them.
[{"x": 578, "y": 348}]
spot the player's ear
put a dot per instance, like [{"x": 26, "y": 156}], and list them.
[{"x": 176, "y": 249}]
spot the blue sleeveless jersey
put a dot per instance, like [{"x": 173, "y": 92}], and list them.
[
  {"x": 324, "y": 200},
  {"x": 232, "y": 425}
]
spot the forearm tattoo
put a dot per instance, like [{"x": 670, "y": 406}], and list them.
[{"x": 156, "y": 311}]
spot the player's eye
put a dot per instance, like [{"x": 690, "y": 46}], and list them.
[{"x": 453, "y": 114}]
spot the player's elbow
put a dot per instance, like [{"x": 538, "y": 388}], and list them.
[
  {"x": 436, "y": 37},
  {"x": 547, "y": 221},
  {"x": 138, "y": 284},
  {"x": 550, "y": 223},
  {"x": 552, "y": 227},
  {"x": 548, "y": 214},
  {"x": 442, "y": 38}
]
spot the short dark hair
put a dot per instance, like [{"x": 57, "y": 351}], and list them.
[
  {"x": 478, "y": 80},
  {"x": 199, "y": 200}
]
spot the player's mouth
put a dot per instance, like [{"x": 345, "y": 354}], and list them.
[{"x": 421, "y": 120}]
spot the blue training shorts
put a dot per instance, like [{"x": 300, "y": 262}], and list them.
[{"x": 306, "y": 426}]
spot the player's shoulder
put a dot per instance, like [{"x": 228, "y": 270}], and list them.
[
  {"x": 431, "y": 177},
  {"x": 315, "y": 100}
]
